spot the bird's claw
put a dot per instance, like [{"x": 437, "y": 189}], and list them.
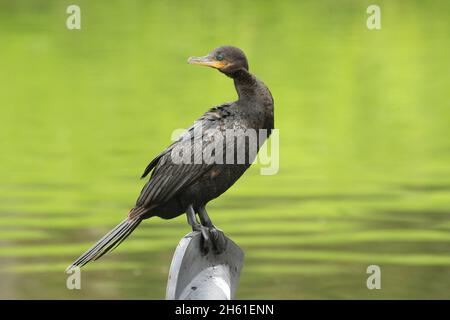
[
  {"x": 218, "y": 240},
  {"x": 211, "y": 238}
]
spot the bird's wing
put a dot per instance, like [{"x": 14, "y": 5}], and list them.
[
  {"x": 211, "y": 119},
  {"x": 169, "y": 176}
]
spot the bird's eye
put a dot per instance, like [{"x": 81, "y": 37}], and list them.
[{"x": 219, "y": 57}]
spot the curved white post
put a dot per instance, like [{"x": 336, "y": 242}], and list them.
[{"x": 194, "y": 276}]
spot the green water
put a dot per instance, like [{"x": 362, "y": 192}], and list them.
[{"x": 364, "y": 144}]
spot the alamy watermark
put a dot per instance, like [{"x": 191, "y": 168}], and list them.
[
  {"x": 374, "y": 20},
  {"x": 74, "y": 279},
  {"x": 229, "y": 146},
  {"x": 374, "y": 280},
  {"x": 73, "y": 21}
]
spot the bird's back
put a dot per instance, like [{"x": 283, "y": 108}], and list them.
[{"x": 178, "y": 180}]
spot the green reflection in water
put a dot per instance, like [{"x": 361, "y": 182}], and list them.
[{"x": 364, "y": 150}]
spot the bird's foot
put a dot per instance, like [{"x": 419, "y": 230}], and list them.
[
  {"x": 212, "y": 238},
  {"x": 218, "y": 240}
]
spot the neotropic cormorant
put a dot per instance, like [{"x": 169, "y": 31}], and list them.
[{"x": 175, "y": 188}]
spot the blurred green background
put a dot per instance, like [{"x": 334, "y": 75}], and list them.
[{"x": 364, "y": 130}]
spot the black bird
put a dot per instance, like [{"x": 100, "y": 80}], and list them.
[{"x": 175, "y": 188}]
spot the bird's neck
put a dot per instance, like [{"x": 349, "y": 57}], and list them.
[
  {"x": 255, "y": 96},
  {"x": 246, "y": 84}
]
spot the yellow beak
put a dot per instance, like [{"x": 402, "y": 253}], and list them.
[{"x": 207, "y": 61}]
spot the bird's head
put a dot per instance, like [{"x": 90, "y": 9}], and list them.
[{"x": 226, "y": 59}]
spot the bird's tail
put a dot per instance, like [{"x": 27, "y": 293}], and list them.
[{"x": 109, "y": 242}]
